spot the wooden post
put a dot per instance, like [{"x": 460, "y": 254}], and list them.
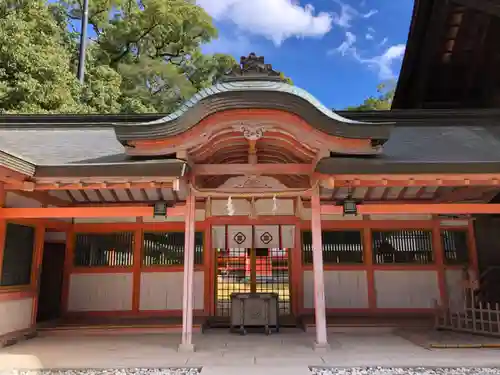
[
  {"x": 439, "y": 260},
  {"x": 3, "y": 224},
  {"x": 137, "y": 266},
  {"x": 368, "y": 260},
  {"x": 471, "y": 239},
  {"x": 36, "y": 269},
  {"x": 188, "y": 297},
  {"x": 319, "y": 281}
]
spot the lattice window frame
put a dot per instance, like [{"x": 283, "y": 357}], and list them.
[
  {"x": 457, "y": 258},
  {"x": 104, "y": 258},
  {"x": 178, "y": 259},
  {"x": 330, "y": 255},
  {"x": 397, "y": 256}
]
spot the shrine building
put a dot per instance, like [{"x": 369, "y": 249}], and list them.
[{"x": 252, "y": 185}]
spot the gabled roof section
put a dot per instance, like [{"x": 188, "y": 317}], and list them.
[
  {"x": 253, "y": 85},
  {"x": 450, "y": 59},
  {"x": 16, "y": 164},
  {"x": 444, "y": 140}
]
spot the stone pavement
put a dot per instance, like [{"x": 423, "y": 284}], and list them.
[{"x": 288, "y": 353}]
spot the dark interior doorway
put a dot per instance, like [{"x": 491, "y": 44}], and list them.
[{"x": 51, "y": 280}]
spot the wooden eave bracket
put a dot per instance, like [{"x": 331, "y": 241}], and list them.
[{"x": 398, "y": 180}]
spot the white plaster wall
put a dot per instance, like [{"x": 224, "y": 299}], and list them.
[
  {"x": 55, "y": 236},
  {"x": 103, "y": 220},
  {"x": 18, "y": 201},
  {"x": 306, "y": 214},
  {"x": 406, "y": 289},
  {"x": 15, "y": 315},
  {"x": 400, "y": 217},
  {"x": 199, "y": 215},
  {"x": 243, "y": 207},
  {"x": 100, "y": 292},
  {"x": 163, "y": 290},
  {"x": 343, "y": 289},
  {"x": 283, "y": 207},
  {"x": 454, "y": 287},
  {"x": 454, "y": 223}
]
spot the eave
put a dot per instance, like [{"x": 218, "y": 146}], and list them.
[
  {"x": 251, "y": 95},
  {"x": 16, "y": 164},
  {"x": 380, "y": 166}
]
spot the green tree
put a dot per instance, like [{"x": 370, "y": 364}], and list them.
[
  {"x": 34, "y": 70},
  {"x": 154, "y": 47},
  {"x": 142, "y": 56},
  {"x": 381, "y": 102}
]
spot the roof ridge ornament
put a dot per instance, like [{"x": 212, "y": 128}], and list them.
[{"x": 253, "y": 67}]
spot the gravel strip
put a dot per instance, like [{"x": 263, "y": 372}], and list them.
[
  {"x": 124, "y": 371},
  {"x": 404, "y": 370}
]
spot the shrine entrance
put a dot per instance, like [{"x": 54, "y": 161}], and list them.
[{"x": 252, "y": 258}]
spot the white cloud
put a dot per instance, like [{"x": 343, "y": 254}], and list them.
[
  {"x": 348, "y": 14},
  {"x": 346, "y": 46},
  {"x": 276, "y": 20},
  {"x": 370, "y": 13},
  {"x": 383, "y": 64},
  {"x": 371, "y": 30},
  {"x": 383, "y": 42},
  {"x": 369, "y": 36}
]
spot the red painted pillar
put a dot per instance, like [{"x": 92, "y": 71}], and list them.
[
  {"x": 319, "y": 281},
  {"x": 3, "y": 223},
  {"x": 188, "y": 297}
]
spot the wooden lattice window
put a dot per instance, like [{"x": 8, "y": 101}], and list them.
[
  {"x": 402, "y": 246},
  {"x": 339, "y": 247},
  {"x": 104, "y": 249},
  {"x": 167, "y": 248},
  {"x": 455, "y": 246},
  {"x": 17, "y": 255}
]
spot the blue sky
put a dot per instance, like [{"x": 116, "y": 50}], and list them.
[{"x": 338, "y": 50}]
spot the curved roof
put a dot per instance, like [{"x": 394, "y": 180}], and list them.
[{"x": 252, "y": 94}]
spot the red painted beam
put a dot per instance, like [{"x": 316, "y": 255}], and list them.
[
  {"x": 70, "y": 212},
  {"x": 431, "y": 208}
]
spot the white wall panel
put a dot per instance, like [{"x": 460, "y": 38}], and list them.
[
  {"x": 343, "y": 289},
  {"x": 455, "y": 289},
  {"x": 15, "y": 315},
  {"x": 163, "y": 290},
  {"x": 406, "y": 289},
  {"x": 100, "y": 292}
]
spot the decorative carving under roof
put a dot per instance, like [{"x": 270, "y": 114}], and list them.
[{"x": 253, "y": 67}]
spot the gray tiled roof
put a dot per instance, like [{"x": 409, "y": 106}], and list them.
[
  {"x": 443, "y": 144},
  {"x": 428, "y": 144},
  {"x": 47, "y": 146},
  {"x": 439, "y": 149}
]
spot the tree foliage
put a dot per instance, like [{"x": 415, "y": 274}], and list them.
[
  {"x": 381, "y": 102},
  {"x": 142, "y": 56}
]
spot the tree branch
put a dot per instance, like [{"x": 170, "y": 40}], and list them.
[{"x": 129, "y": 44}]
